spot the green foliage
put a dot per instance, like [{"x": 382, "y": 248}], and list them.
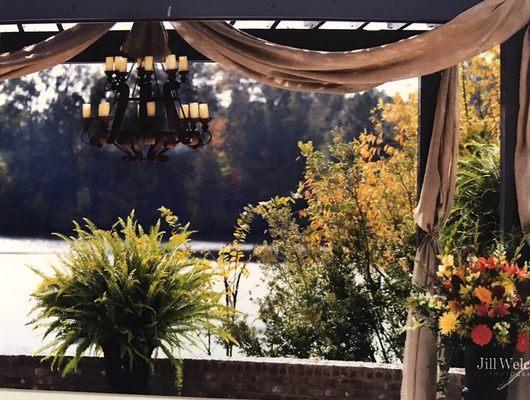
[
  {"x": 334, "y": 290},
  {"x": 474, "y": 220},
  {"x": 127, "y": 285}
]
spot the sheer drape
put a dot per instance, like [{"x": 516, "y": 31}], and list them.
[
  {"x": 434, "y": 206},
  {"x": 53, "y": 51},
  {"x": 470, "y": 33},
  {"x": 520, "y": 389}
]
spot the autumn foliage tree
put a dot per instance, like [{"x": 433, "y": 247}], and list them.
[{"x": 341, "y": 247}]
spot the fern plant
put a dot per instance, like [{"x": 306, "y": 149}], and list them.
[{"x": 126, "y": 291}]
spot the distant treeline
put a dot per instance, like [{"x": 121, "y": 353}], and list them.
[{"x": 48, "y": 177}]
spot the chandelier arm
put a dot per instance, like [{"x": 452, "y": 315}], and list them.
[
  {"x": 155, "y": 149},
  {"x": 124, "y": 150},
  {"x": 137, "y": 149},
  {"x": 171, "y": 111},
  {"x": 123, "y": 100}
]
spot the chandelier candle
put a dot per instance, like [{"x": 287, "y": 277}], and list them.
[
  {"x": 151, "y": 109},
  {"x": 104, "y": 109},
  {"x": 171, "y": 62},
  {"x": 203, "y": 111},
  {"x": 120, "y": 64},
  {"x": 184, "y": 111},
  {"x": 109, "y": 63},
  {"x": 148, "y": 63},
  {"x": 187, "y": 124},
  {"x": 183, "y": 63},
  {"x": 194, "y": 110},
  {"x": 87, "y": 110}
]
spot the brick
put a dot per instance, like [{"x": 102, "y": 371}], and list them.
[{"x": 250, "y": 378}]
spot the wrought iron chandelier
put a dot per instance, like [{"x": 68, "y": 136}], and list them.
[{"x": 187, "y": 124}]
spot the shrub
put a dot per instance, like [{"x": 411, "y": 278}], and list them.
[{"x": 128, "y": 287}]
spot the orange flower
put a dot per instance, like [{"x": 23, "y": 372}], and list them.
[
  {"x": 510, "y": 269},
  {"x": 490, "y": 263},
  {"x": 483, "y": 294},
  {"x": 480, "y": 265},
  {"x": 523, "y": 342},
  {"x": 481, "y": 335},
  {"x": 522, "y": 273}
]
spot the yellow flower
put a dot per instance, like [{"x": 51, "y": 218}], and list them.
[
  {"x": 448, "y": 323},
  {"x": 445, "y": 267},
  {"x": 469, "y": 311},
  {"x": 464, "y": 290},
  {"x": 509, "y": 286},
  {"x": 483, "y": 294},
  {"x": 447, "y": 260}
]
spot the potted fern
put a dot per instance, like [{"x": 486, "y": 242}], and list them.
[{"x": 127, "y": 291}]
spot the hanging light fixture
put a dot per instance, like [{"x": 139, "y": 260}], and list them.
[{"x": 187, "y": 124}]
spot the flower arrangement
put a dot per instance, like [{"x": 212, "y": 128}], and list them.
[{"x": 485, "y": 301}]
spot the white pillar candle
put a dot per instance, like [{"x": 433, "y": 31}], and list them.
[
  {"x": 194, "y": 110},
  {"x": 151, "y": 109},
  {"x": 184, "y": 111},
  {"x": 183, "y": 63},
  {"x": 148, "y": 63},
  {"x": 109, "y": 64},
  {"x": 124, "y": 65},
  {"x": 203, "y": 111},
  {"x": 87, "y": 110},
  {"x": 171, "y": 62},
  {"x": 104, "y": 109},
  {"x": 120, "y": 64}
]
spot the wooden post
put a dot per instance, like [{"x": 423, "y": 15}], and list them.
[
  {"x": 429, "y": 85},
  {"x": 510, "y": 71}
]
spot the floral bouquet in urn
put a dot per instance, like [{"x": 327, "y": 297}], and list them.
[{"x": 483, "y": 300}]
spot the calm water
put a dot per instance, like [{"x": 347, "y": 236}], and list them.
[{"x": 18, "y": 281}]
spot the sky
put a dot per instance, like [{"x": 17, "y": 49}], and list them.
[{"x": 403, "y": 87}]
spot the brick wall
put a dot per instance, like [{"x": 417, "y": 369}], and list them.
[{"x": 246, "y": 378}]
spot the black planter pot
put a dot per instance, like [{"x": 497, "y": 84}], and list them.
[
  {"x": 487, "y": 370},
  {"x": 120, "y": 376}
]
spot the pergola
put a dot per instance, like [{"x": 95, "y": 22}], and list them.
[
  {"x": 330, "y": 25},
  {"x": 327, "y": 25}
]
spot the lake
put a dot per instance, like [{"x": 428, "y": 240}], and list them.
[{"x": 18, "y": 281}]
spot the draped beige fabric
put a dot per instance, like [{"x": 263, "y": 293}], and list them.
[
  {"x": 434, "y": 206},
  {"x": 520, "y": 389},
  {"x": 147, "y": 39},
  {"x": 53, "y": 51},
  {"x": 470, "y": 33}
]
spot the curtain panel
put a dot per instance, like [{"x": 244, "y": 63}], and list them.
[
  {"x": 478, "y": 29},
  {"x": 53, "y": 51},
  {"x": 434, "y": 206},
  {"x": 520, "y": 388}
]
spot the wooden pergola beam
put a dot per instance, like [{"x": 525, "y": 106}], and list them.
[
  {"x": 427, "y": 99},
  {"x": 16, "y": 11},
  {"x": 511, "y": 51},
  {"x": 329, "y": 40}
]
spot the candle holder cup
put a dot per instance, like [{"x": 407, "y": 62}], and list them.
[{"x": 171, "y": 74}]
